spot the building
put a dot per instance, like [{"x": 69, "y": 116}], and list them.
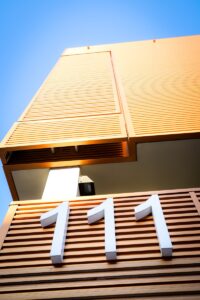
[{"x": 127, "y": 116}]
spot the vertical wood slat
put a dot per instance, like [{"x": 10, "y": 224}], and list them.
[
  {"x": 6, "y": 223},
  {"x": 122, "y": 96},
  {"x": 196, "y": 201}
]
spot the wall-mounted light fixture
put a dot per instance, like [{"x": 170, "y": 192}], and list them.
[{"x": 86, "y": 186}]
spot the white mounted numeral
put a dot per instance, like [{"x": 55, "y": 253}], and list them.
[
  {"x": 60, "y": 215},
  {"x": 152, "y": 205},
  {"x": 106, "y": 210}
]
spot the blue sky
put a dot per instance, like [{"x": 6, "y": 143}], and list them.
[{"x": 33, "y": 33}]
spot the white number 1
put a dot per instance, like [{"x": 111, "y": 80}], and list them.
[
  {"x": 152, "y": 205},
  {"x": 106, "y": 210},
  {"x": 60, "y": 215}
]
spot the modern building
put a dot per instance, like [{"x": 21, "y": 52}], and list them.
[{"x": 125, "y": 119}]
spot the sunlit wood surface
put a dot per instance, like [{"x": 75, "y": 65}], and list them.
[{"x": 26, "y": 270}]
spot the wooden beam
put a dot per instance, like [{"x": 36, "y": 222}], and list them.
[{"x": 6, "y": 223}]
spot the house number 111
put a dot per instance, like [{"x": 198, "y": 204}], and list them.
[{"x": 60, "y": 216}]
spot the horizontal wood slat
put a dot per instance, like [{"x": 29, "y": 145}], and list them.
[
  {"x": 63, "y": 154},
  {"x": 52, "y": 131},
  {"x": 101, "y": 293},
  {"x": 77, "y": 86},
  {"x": 26, "y": 271}
]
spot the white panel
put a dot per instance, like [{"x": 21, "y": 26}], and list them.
[
  {"x": 60, "y": 215},
  {"x": 62, "y": 184},
  {"x": 30, "y": 183}
]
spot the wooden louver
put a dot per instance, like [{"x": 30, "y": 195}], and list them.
[
  {"x": 161, "y": 82},
  {"x": 130, "y": 92},
  {"x": 78, "y": 105},
  {"x": 26, "y": 271}
]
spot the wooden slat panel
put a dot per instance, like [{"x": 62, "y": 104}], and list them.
[
  {"x": 102, "y": 283},
  {"x": 89, "y": 268},
  {"x": 68, "y": 130},
  {"x": 78, "y": 102},
  {"x": 160, "y": 79},
  {"x": 27, "y": 272},
  {"x": 114, "y": 292},
  {"x": 130, "y": 235},
  {"x": 79, "y": 85},
  {"x": 90, "y": 276},
  {"x": 69, "y": 154}
]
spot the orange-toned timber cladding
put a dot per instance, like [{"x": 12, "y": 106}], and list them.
[
  {"x": 110, "y": 96},
  {"x": 78, "y": 105},
  {"x": 140, "y": 273}
]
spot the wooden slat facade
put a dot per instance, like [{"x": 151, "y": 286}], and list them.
[
  {"x": 79, "y": 85},
  {"x": 158, "y": 83},
  {"x": 77, "y": 104},
  {"x": 161, "y": 83},
  {"x": 151, "y": 86},
  {"x": 140, "y": 272},
  {"x": 104, "y": 100}
]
